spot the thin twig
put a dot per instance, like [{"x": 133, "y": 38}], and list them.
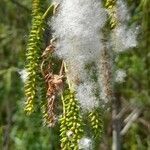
[
  {"x": 145, "y": 123},
  {"x": 130, "y": 119},
  {"x": 122, "y": 112}
]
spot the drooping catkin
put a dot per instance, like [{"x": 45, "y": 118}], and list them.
[
  {"x": 105, "y": 68},
  {"x": 33, "y": 56},
  {"x": 71, "y": 127}
]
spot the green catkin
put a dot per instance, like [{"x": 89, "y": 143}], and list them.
[
  {"x": 106, "y": 57},
  {"x": 71, "y": 128},
  {"x": 111, "y": 7},
  {"x": 96, "y": 123},
  {"x": 33, "y": 55},
  {"x": 107, "y": 53}
]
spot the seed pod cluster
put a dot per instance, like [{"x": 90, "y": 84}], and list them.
[
  {"x": 33, "y": 56},
  {"x": 111, "y": 7},
  {"x": 96, "y": 123},
  {"x": 71, "y": 122}
]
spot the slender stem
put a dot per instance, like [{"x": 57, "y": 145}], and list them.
[
  {"x": 48, "y": 12},
  {"x": 116, "y": 123},
  {"x": 64, "y": 109},
  {"x": 65, "y": 68}
]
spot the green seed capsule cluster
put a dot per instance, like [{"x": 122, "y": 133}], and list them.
[
  {"x": 33, "y": 56},
  {"x": 45, "y": 117},
  {"x": 96, "y": 123},
  {"x": 111, "y": 7},
  {"x": 71, "y": 122}
]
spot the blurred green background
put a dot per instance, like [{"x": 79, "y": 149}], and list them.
[{"x": 20, "y": 132}]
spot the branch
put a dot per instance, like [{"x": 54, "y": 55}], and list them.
[
  {"x": 122, "y": 112},
  {"x": 130, "y": 119},
  {"x": 116, "y": 122},
  {"x": 145, "y": 123}
]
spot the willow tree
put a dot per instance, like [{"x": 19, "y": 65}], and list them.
[{"x": 75, "y": 71}]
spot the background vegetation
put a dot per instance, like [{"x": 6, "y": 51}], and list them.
[{"x": 27, "y": 133}]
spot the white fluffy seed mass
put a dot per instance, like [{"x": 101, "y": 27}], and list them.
[
  {"x": 85, "y": 144},
  {"x": 86, "y": 97},
  {"x": 77, "y": 27},
  {"x": 120, "y": 75},
  {"x": 23, "y": 74},
  {"x": 123, "y": 38},
  {"x": 122, "y": 11}
]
